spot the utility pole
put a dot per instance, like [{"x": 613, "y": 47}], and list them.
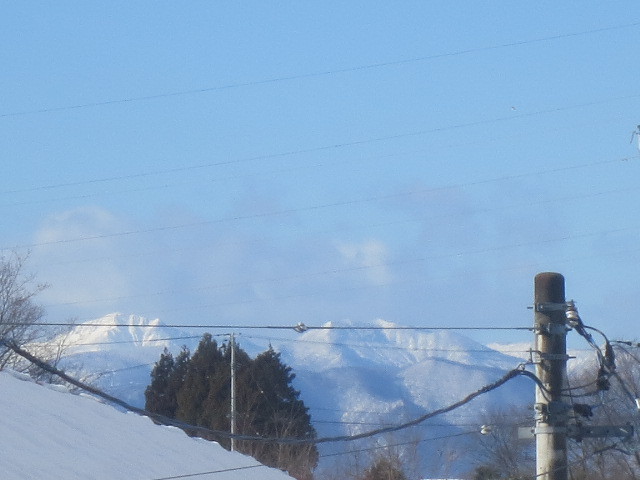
[
  {"x": 550, "y": 329},
  {"x": 554, "y": 317},
  {"x": 232, "y": 343}
]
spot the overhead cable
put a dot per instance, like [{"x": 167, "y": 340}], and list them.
[
  {"x": 320, "y": 73},
  {"x": 161, "y": 419},
  {"x": 210, "y": 472},
  {"x": 606, "y": 358},
  {"x": 348, "y": 452},
  {"x": 263, "y": 327},
  {"x": 477, "y": 251}
]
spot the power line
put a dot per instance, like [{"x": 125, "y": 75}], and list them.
[
  {"x": 374, "y": 346},
  {"x": 90, "y": 319},
  {"x": 133, "y": 367},
  {"x": 384, "y": 447},
  {"x": 386, "y": 347},
  {"x": 346, "y": 422},
  {"x": 510, "y": 375},
  {"x": 335, "y": 271},
  {"x": 324, "y": 73},
  {"x": 278, "y": 279},
  {"x": 386, "y": 284},
  {"x": 348, "y": 452},
  {"x": 455, "y": 421},
  {"x": 217, "y": 179},
  {"x": 401, "y": 444},
  {"x": 115, "y": 342},
  {"x": 289, "y": 211},
  {"x": 359, "y": 268},
  {"x": 424, "y": 425},
  {"x": 155, "y": 187},
  {"x": 210, "y": 472},
  {"x": 599, "y": 451},
  {"x": 186, "y": 168},
  {"x": 310, "y": 150},
  {"x": 627, "y": 342},
  {"x": 563, "y": 199},
  {"x": 262, "y": 327},
  {"x": 416, "y": 421},
  {"x": 281, "y": 154}
]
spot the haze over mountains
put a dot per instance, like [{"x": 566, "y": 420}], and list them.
[{"x": 353, "y": 380}]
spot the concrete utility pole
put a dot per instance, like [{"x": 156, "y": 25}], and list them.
[
  {"x": 232, "y": 343},
  {"x": 551, "y": 347}
]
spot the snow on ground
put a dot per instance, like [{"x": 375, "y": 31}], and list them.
[{"x": 48, "y": 432}]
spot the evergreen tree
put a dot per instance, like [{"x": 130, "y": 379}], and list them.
[
  {"x": 197, "y": 390},
  {"x": 167, "y": 377},
  {"x": 203, "y": 366},
  {"x": 177, "y": 376},
  {"x": 277, "y": 411},
  {"x": 216, "y": 408},
  {"x": 157, "y": 396}
]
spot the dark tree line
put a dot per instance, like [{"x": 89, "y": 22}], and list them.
[
  {"x": 196, "y": 389},
  {"x": 384, "y": 468}
]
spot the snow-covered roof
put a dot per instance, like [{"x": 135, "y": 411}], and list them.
[{"x": 48, "y": 432}]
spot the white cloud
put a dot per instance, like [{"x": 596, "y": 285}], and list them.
[
  {"x": 66, "y": 242},
  {"x": 77, "y": 223},
  {"x": 370, "y": 255}
]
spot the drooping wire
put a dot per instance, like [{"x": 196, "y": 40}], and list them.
[
  {"x": 210, "y": 472},
  {"x": 620, "y": 344},
  {"x": 609, "y": 363},
  {"x": 161, "y": 419},
  {"x": 606, "y": 359},
  {"x": 627, "y": 390},
  {"x": 348, "y": 452}
]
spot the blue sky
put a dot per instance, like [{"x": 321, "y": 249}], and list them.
[{"x": 269, "y": 163}]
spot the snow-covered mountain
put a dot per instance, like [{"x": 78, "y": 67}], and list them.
[
  {"x": 51, "y": 433},
  {"x": 356, "y": 380},
  {"x": 117, "y": 352},
  {"x": 352, "y": 379},
  {"x": 393, "y": 369},
  {"x": 118, "y": 358}
]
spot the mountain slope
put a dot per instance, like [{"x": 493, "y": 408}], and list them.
[
  {"x": 353, "y": 379},
  {"x": 383, "y": 370},
  {"x": 118, "y": 358},
  {"x": 118, "y": 351}
]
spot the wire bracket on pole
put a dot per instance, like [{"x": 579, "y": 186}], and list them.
[
  {"x": 549, "y": 430},
  {"x": 554, "y": 356},
  {"x": 578, "y": 432},
  {"x": 550, "y": 329},
  {"x": 553, "y": 412},
  {"x": 546, "y": 307}
]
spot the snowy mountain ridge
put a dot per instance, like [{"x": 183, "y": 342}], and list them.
[
  {"x": 388, "y": 344},
  {"x": 352, "y": 378},
  {"x": 118, "y": 330},
  {"x": 374, "y": 369}
]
